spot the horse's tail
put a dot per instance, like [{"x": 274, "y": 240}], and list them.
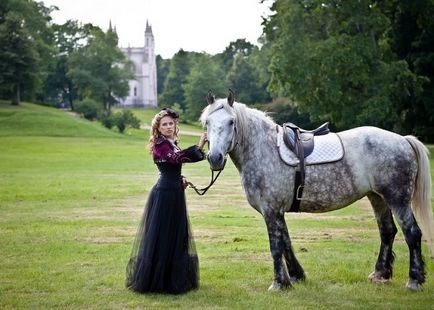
[{"x": 422, "y": 193}]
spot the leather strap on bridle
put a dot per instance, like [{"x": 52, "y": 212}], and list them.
[{"x": 203, "y": 190}]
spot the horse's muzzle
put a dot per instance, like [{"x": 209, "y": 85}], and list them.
[{"x": 216, "y": 161}]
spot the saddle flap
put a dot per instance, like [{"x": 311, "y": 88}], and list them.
[
  {"x": 301, "y": 141},
  {"x": 289, "y": 138},
  {"x": 307, "y": 141}
]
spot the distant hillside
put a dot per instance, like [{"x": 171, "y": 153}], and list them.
[{"x": 29, "y": 119}]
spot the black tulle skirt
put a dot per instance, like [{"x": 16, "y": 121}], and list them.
[{"x": 164, "y": 258}]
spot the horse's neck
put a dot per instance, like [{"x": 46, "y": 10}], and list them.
[{"x": 250, "y": 142}]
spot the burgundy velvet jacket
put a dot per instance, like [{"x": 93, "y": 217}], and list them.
[{"x": 165, "y": 152}]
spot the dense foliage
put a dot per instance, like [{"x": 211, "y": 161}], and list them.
[
  {"x": 26, "y": 48},
  {"x": 356, "y": 63},
  {"x": 352, "y": 62}
]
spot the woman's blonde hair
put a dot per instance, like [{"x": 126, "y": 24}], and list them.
[{"x": 155, "y": 124}]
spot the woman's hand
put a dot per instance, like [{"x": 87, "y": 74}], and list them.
[
  {"x": 184, "y": 182},
  {"x": 203, "y": 139}
]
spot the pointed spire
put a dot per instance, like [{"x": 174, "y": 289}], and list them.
[{"x": 148, "y": 27}]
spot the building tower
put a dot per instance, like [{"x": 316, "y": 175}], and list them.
[{"x": 143, "y": 89}]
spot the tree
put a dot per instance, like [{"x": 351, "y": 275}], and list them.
[
  {"x": 163, "y": 66},
  {"x": 100, "y": 69},
  {"x": 238, "y": 47},
  {"x": 173, "y": 92},
  {"x": 259, "y": 61},
  {"x": 411, "y": 37},
  {"x": 18, "y": 57},
  {"x": 204, "y": 75},
  {"x": 334, "y": 60},
  {"x": 244, "y": 78},
  {"x": 68, "y": 38},
  {"x": 25, "y": 47}
]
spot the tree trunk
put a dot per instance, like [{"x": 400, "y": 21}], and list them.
[
  {"x": 70, "y": 96},
  {"x": 16, "y": 100},
  {"x": 109, "y": 103}
]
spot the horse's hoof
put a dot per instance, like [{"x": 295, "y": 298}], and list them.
[
  {"x": 376, "y": 278},
  {"x": 276, "y": 286},
  {"x": 293, "y": 280},
  {"x": 412, "y": 285}
]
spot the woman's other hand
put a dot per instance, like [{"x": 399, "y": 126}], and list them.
[
  {"x": 203, "y": 139},
  {"x": 184, "y": 182}
]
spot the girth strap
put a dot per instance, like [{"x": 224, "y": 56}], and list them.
[{"x": 299, "y": 174}]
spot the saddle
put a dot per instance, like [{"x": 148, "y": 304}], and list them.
[{"x": 301, "y": 142}]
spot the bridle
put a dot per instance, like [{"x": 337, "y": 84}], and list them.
[{"x": 203, "y": 190}]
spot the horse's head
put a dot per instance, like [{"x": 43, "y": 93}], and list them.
[{"x": 220, "y": 119}]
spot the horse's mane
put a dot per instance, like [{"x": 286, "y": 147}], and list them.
[{"x": 242, "y": 113}]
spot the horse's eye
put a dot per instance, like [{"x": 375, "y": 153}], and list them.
[{"x": 231, "y": 122}]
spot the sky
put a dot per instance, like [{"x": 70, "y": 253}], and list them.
[{"x": 193, "y": 25}]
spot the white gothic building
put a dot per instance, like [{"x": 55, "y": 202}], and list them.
[{"x": 143, "y": 89}]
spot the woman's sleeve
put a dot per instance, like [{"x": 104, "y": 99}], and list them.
[{"x": 164, "y": 152}]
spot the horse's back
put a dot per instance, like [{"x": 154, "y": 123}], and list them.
[
  {"x": 379, "y": 158},
  {"x": 375, "y": 143}
]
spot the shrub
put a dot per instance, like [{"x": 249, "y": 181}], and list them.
[
  {"x": 125, "y": 119},
  {"x": 107, "y": 119},
  {"x": 89, "y": 108}
]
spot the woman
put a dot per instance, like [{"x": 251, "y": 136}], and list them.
[{"x": 164, "y": 258}]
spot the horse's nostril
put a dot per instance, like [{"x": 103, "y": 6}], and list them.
[{"x": 215, "y": 159}]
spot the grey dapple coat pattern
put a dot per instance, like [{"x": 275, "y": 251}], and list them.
[{"x": 391, "y": 170}]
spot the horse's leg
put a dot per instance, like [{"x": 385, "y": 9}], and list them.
[
  {"x": 295, "y": 271},
  {"x": 387, "y": 228},
  {"x": 413, "y": 236},
  {"x": 275, "y": 223}
]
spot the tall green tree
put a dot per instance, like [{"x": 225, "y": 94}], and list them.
[
  {"x": 18, "y": 58},
  {"x": 237, "y": 47},
  {"x": 244, "y": 78},
  {"x": 411, "y": 37},
  {"x": 163, "y": 66},
  {"x": 173, "y": 92},
  {"x": 259, "y": 61},
  {"x": 100, "y": 70},
  {"x": 25, "y": 47},
  {"x": 333, "y": 58},
  {"x": 205, "y": 74},
  {"x": 69, "y": 38}
]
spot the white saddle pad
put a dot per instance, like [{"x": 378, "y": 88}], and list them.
[{"x": 328, "y": 148}]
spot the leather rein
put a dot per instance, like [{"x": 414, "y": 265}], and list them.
[{"x": 201, "y": 191}]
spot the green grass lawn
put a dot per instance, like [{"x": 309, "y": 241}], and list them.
[{"x": 71, "y": 197}]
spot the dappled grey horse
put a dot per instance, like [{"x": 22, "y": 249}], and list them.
[{"x": 391, "y": 170}]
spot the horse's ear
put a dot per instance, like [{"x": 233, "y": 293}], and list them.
[
  {"x": 231, "y": 97},
  {"x": 210, "y": 97}
]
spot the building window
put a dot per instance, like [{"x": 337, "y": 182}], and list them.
[{"x": 135, "y": 91}]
